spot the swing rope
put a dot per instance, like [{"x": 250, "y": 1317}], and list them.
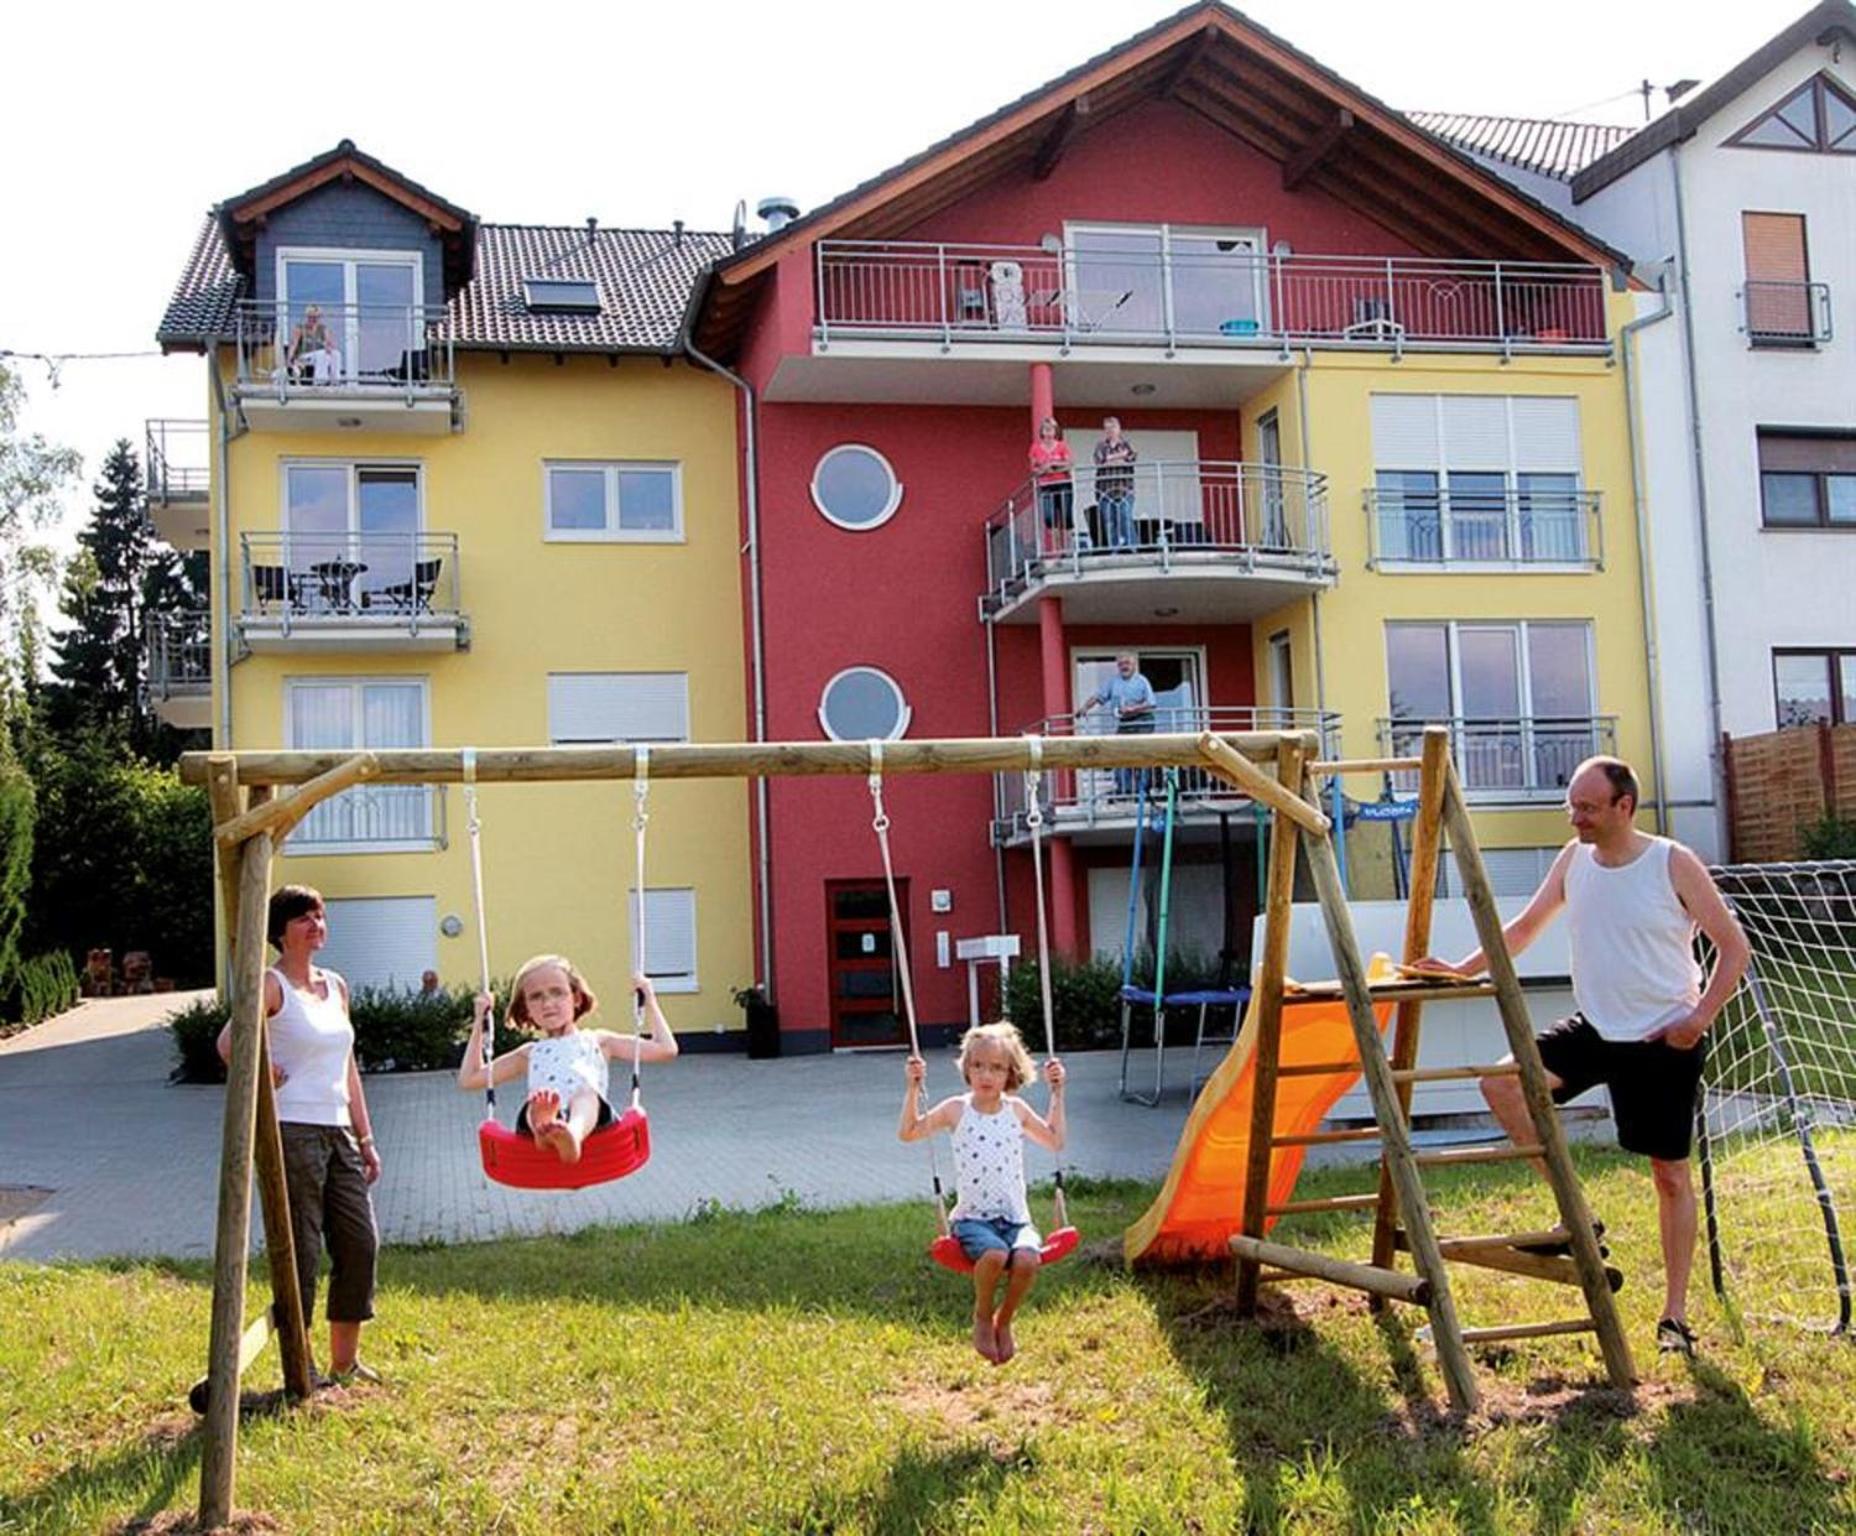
[
  {"x": 475, "y": 824},
  {"x": 641, "y": 818},
  {"x": 879, "y": 823},
  {"x": 1034, "y": 819}
]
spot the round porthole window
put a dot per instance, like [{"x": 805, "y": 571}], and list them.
[
  {"x": 861, "y": 704},
  {"x": 855, "y": 487}
]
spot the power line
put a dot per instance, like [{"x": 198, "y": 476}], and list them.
[{"x": 56, "y": 360}]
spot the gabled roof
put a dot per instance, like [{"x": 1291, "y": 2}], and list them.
[
  {"x": 645, "y": 277},
  {"x": 1824, "y": 22},
  {"x": 1547, "y": 146},
  {"x": 1213, "y": 60},
  {"x": 240, "y": 217}
]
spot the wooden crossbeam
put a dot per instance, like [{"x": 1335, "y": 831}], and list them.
[
  {"x": 1455, "y": 1074},
  {"x": 1050, "y": 152},
  {"x": 1233, "y": 766},
  {"x": 1528, "y": 1331},
  {"x": 1392, "y": 1284},
  {"x": 1309, "y": 158},
  {"x": 1323, "y": 1203},
  {"x": 1326, "y": 1138},
  {"x": 1456, "y": 1156}
]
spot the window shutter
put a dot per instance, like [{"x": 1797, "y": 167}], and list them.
[
  {"x": 618, "y": 706},
  {"x": 1774, "y": 247},
  {"x": 381, "y": 941},
  {"x": 1475, "y": 432},
  {"x": 1546, "y": 435},
  {"x": 1405, "y": 432},
  {"x": 1807, "y": 454},
  {"x": 670, "y": 937}
]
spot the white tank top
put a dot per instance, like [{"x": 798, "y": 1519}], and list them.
[
  {"x": 566, "y": 1064},
  {"x": 311, "y": 1039},
  {"x": 1632, "y": 943},
  {"x": 989, "y": 1165}
]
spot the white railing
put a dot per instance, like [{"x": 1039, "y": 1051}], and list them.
[
  {"x": 1088, "y": 796},
  {"x": 1508, "y": 527},
  {"x": 176, "y": 460},
  {"x": 380, "y": 818},
  {"x": 1515, "y": 759},
  {"x": 360, "y": 349},
  {"x": 384, "y": 580},
  {"x": 1786, "y": 314},
  {"x": 1235, "y": 297},
  {"x": 180, "y": 654},
  {"x": 1163, "y": 512}
]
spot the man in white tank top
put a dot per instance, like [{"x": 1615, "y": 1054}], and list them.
[{"x": 1633, "y": 903}]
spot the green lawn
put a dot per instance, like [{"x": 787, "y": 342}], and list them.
[{"x": 799, "y": 1371}]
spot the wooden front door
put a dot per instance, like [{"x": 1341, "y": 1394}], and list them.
[{"x": 866, "y": 991}]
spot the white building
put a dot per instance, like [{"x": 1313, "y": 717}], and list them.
[{"x": 1740, "y": 201}]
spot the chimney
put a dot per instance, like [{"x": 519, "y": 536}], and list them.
[{"x": 778, "y": 212}]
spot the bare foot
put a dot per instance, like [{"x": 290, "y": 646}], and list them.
[
  {"x": 560, "y": 1137},
  {"x": 983, "y": 1339},
  {"x": 544, "y": 1108},
  {"x": 1004, "y": 1347}
]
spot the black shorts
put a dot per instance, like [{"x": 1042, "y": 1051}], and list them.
[
  {"x": 1653, "y": 1085},
  {"x": 600, "y": 1121}
]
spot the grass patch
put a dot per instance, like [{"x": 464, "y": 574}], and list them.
[{"x": 807, "y": 1372}]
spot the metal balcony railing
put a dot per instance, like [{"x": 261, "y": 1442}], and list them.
[
  {"x": 1786, "y": 314},
  {"x": 176, "y": 460},
  {"x": 357, "y": 349},
  {"x": 1083, "y": 797},
  {"x": 1512, "y": 527},
  {"x": 1159, "y": 513},
  {"x": 376, "y": 818},
  {"x": 1211, "y": 292},
  {"x": 1516, "y": 760},
  {"x": 382, "y": 580},
  {"x": 180, "y": 654}
]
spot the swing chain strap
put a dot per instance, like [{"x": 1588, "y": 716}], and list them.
[
  {"x": 1034, "y": 819},
  {"x": 474, "y": 824},
  {"x": 641, "y": 818}
]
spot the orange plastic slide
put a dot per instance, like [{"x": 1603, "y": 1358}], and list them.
[{"x": 1201, "y": 1205}]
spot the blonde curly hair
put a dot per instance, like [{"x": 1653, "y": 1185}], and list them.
[{"x": 1018, "y": 1067}]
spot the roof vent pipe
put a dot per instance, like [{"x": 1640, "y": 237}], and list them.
[{"x": 778, "y": 212}]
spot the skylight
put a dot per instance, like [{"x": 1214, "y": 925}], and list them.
[{"x": 561, "y": 295}]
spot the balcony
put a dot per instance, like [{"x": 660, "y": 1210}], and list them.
[
  {"x": 1484, "y": 530},
  {"x": 1199, "y": 541},
  {"x": 350, "y": 592},
  {"x": 1517, "y": 761},
  {"x": 176, "y": 461},
  {"x": 1218, "y": 294},
  {"x": 375, "y": 818},
  {"x": 371, "y": 367},
  {"x": 1786, "y": 314},
  {"x": 1100, "y": 804},
  {"x": 180, "y": 668}
]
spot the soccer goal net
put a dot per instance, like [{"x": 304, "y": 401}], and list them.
[{"x": 1778, "y": 1114}]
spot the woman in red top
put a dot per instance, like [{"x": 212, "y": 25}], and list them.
[{"x": 1051, "y": 464}]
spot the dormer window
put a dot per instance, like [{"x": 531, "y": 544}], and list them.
[
  {"x": 561, "y": 295},
  {"x": 1819, "y": 117}
]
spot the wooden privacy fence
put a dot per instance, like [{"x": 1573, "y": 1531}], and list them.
[{"x": 1783, "y": 781}]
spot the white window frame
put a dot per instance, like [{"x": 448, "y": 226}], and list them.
[
  {"x": 895, "y": 488},
  {"x": 612, "y": 532},
  {"x": 354, "y": 468},
  {"x": 683, "y": 982},
  {"x": 599, "y": 741},
  {"x": 433, "y": 842},
  {"x": 1258, "y": 235},
  {"x": 350, "y": 257},
  {"x": 1511, "y": 472},
  {"x": 1082, "y": 653},
  {"x": 904, "y": 713}
]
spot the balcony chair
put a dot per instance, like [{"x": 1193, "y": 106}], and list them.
[
  {"x": 273, "y": 584},
  {"x": 413, "y": 596}
]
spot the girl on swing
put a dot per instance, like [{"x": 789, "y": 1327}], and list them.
[
  {"x": 568, "y": 1072},
  {"x": 989, "y": 1123}
]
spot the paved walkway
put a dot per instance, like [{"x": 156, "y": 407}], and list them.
[{"x": 129, "y": 1161}]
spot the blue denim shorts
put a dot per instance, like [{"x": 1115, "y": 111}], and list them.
[{"x": 998, "y": 1235}]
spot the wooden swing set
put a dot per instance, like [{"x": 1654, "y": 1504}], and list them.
[{"x": 258, "y": 797}]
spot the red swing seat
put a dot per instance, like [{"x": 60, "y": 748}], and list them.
[
  {"x": 611, "y": 1152},
  {"x": 946, "y": 1251}
]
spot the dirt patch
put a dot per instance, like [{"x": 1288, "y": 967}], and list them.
[
  {"x": 176, "y": 1522},
  {"x": 17, "y": 1200},
  {"x": 1002, "y": 1409}
]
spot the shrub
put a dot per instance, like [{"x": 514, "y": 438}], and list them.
[
  {"x": 195, "y": 1029},
  {"x": 1832, "y": 837},
  {"x": 1086, "y": 996}
]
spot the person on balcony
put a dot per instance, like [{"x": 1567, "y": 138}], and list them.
[
  {"x": 1129, "y": 697},
  {"x": 1115, "y": 458},
  {"x": 312, "y": 358},
  {"x": 1051, "y": 471}
]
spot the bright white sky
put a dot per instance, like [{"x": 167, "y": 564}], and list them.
[{"x": 125, "y": 123}]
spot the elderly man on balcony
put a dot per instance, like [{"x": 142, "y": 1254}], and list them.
[{"x": 1129, "y": 697}]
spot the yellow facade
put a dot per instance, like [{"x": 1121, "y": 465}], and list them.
[
  {"x": 1324, "y": 407},
  {"x": 558, "y": 858}
]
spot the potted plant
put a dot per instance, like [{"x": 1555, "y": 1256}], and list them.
[{"x": 763, "y": 1022}]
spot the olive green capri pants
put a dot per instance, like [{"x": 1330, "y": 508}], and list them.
[{"x": 329, "y": 1199}]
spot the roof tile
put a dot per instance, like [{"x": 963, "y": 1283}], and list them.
[{"x": 1547, "y": 146}]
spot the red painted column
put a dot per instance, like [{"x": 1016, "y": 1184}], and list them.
[
  {"x": 1043, "y": 399},
  {"x": 1054, "y": 654}
]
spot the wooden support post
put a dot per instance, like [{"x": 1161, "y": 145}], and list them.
[
  {"x": 1574, "y": 1216},
  {"x": 267, "y": 1145},
  {"x": 1426, "y": 840},
  {"x": 250, "y": 1345},
  {"x": 1459, "y": 1376},
  {"x": 1526, "y": 1331},
  {"x": 1266, "y": 1054},
  {"x": 218, "y": 1461},
  {"x": 1485, "y": 1254},
  {"x": 279, "y": 816},
  {"x": 1253, "y": 781},
  {"x": 1387, "y": 1283}
]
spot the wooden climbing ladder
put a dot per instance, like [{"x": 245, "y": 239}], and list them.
[{"x": 1402, "y": 1211}]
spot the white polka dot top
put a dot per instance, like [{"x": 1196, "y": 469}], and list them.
[
  {"x": 989, "y": 1165},
  {"x": 567, "y": 1063}
]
